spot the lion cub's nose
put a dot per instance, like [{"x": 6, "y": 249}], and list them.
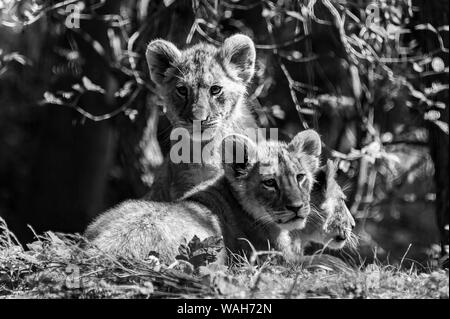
[
  {"x": 200, "y": 114},
  {"x": 205, "y": 120},
  {"x": 295, "y": 209}
]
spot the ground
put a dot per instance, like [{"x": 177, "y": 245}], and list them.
[{"x": 65, "y": 266}]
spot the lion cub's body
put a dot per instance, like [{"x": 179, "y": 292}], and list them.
[
  {"x": 239, "y": 204},
  {"x": 203, "y": 84},
  {"x": 133, "y": 229}
]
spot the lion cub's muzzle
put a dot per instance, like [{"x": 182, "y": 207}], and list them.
[
  {"x": 293, "y": 217},
  {"x": 299, "y": 212},
  {"x": 341, "y": 236},
  {"x": 339, "y": 233}
]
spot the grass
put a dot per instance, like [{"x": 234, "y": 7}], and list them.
[{"x": 66, "y": 266}]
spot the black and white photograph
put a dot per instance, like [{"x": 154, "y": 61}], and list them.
[{"x": 235, "y": 152}]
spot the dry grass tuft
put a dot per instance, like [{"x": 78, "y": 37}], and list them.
[{"x": 66, "y": 266}]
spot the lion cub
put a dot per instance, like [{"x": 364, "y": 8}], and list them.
[
  {"x": 203, "y": 85},
  {"x": 260, "y": 198},
  {"x": 330, "y": 222}
]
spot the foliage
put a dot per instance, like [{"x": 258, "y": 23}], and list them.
[
  {"x": 378, "y": 48},
  {"x": 384, "y": 63},
  {"x": 57, "y": 266}
]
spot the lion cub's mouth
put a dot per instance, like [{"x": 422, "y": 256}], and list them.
[
  {"x": 295, "y": 218},
  {"x": 340, "y": 238},
  {"x": 296, "y": 222},
  {"x": 283, "y": 219},
  {"x": 337, "y": 241},
  {"x": 209, "y": 125}
]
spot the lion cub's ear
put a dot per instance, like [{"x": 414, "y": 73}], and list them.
[
  {"x": 160, "y": 56},
  {"x": 307, "y": 143},
  {"x": 238, "y": 156},
  {"x": 239, "y": 55}
]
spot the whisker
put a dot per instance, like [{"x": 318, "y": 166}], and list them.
[
  {"x": 352, "y": 241},
  {"x": 262, "y": 221}
]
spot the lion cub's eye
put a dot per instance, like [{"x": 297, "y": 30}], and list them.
[
  {"x": 270, "y": 183},
  {"x": 215, "y": 89},
  {"x": 300, "y": 178},
  {"x": 182, "y": 90}
]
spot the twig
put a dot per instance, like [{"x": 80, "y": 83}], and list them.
[
  {"x": 98, "y": 118},
  {"x": 404, "y": 256}
]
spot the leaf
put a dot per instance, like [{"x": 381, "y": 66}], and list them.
[
  {"x": 200, "y": 253},
  {"x": 266, "y": 13},
  {"x": 417, "y": 68},
  {"x": 125, "y": 90},
  {"x": 66, "y": 95},
  {"x": 438, "y": 64},
  {"x": 167, "y": 3},
  {"x": 194, "y": 244},
  {"x": 21, "y": 59},
  {"x": 440, "y": 105},
  {"x": 183, "y": 252},
  {"x": 442, "y": 125},
  {"x": 131, "y": 113},
  {"x": 90, "y": 86},
  {"x": 295, "y": 15},
  {"x": 277, "y": 112},
  {"x": 52, "y": 99},
  {"x": 344, "y": 165},
  {"x": 203, "y": 256},
  {"x": 78, "y": 88},
  {"x": 183, "y": 266},
  {"x": 425, "y": 26},
  {"x": 212, "y": 242},
  {"x": 432, "y": 115}
]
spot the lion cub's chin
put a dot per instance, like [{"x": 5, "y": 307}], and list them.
[
  {"x": 336, "y": 244},
  {"x": 298, "y": 223},
  {"x": 334, "y": 240}
]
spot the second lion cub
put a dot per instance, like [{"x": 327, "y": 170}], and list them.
[
  {"x": 260, "y": 199},
  {"x": 330, "y": 222}
]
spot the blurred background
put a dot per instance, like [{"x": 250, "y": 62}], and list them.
[{"x": 81, "y": 128}]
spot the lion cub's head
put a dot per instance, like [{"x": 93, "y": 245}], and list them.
[
  {"x": 202, "y": 83},
  {"x": 273, "y": 180},
  {"x": 330, "y": 222}
]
